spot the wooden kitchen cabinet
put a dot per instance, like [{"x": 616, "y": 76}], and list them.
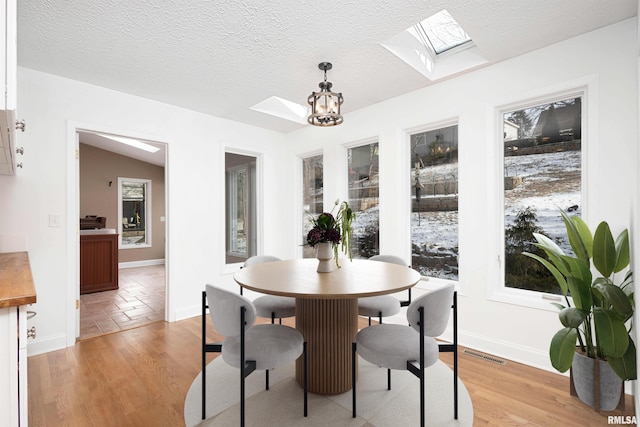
[{"x": 98, "y": 262}]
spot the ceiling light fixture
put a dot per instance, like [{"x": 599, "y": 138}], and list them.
[{"x": 325, "y": 105}]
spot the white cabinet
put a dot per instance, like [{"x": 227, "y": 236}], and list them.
[
  {"x": 8, "y": 69},
  {"x": 13, "y": 360},
  {"x": 17, "y": 291}
]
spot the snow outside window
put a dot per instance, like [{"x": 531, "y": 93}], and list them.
[
  {"x": 542, "y": 174},
  {"x": 312, "y": 193},
  {"x": 363, "y": 177},
  {"x": 434, "y": 202}
]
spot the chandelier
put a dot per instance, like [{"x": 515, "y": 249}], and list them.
[{"x": 325, "y": 105}]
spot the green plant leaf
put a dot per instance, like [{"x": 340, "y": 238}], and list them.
[
  {"x": 615, "y": 299},
  {"x": 575, "y": 238},
  {"x": 571, "y": 317},
  {"x": 612, "y": 335},
  {"x": 625, "y": 366},
  {"x": 585, "y": 234},
  {"x": 562, "y": 349},
  {"x": 580, "y": 293},
  {"x": 547, "y": 244},
  {"x": 604, "y": 250},
  {"x": 553, "y": 251},
  {"x": 579, "y": 282},
  {"x": 554, "y": 271},
  {"x": 628, "y": 280},
  {"x": 578, "y": 269},
  {"x": 622, "y": 251}
]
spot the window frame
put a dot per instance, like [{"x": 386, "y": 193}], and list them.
[
  {"x": 230, "y": 267},
  {"x": 147, "y": 213},
  {"x": 345, "y": 174},
  {"x": 453, "y": 121},
  {"x": 300, "y": 214},
  {"x": 232, "y": 206},
  {"x": 498, "y": 291}
]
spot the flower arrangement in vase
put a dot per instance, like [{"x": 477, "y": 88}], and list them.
[{"x": 328, "y": 231}]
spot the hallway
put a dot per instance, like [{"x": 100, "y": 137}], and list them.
[{"x": 140, "y": 300}]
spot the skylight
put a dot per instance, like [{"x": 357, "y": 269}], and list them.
[
  {"x": 283, "y": 108},
  {"x": 440, "y": 32},
  {"x": 437, "y": 47},
  {"x": 132, "y": 143}
]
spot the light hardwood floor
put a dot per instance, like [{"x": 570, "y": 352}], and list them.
[{"x": 140, "y": 377}]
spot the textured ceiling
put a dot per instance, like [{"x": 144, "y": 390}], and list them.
[{"x": 221, "y": 57}]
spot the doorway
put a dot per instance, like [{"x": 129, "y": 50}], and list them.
[{"x": 106, "y": 164}]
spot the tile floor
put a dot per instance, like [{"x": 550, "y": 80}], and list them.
[{"x": 139, "y": 301}]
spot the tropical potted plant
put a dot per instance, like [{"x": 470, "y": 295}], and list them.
[
  {"x": 328, "y": 231},
  {"x": 600, "y": 320}
]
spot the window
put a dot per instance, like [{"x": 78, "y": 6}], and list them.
[
  {"x": 542, "y": 173},
  {"x": 434, "y": 202},
  {"x": 312, "y": 193},
  {"x": 364, "y": 199},
  {"x": 440, "y": 32},
  {"x": 134, "y": 209},
  {"x": 240, "y": 207}
]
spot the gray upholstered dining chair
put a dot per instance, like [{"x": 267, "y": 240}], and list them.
[
  {"x": 383, "y": 305},
  {"x": 412, "y": 347},
  {"x": 247, "y": 346},
  {"x": 271, "y": 306}
]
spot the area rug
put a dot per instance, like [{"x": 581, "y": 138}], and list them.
[{"x": 282, "y": 404}]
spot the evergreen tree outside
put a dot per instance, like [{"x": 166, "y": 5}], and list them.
[{"x": 521, "y": 271}]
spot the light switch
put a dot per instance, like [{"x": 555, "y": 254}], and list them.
[{"x": 54, "y": 220}]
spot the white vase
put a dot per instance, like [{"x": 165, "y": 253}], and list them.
[{"x": 324, "y": 253}]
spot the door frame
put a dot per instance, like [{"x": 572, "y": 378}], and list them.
[{"x": 73, "y": 215}]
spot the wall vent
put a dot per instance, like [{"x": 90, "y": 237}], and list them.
[{"x": 484, "y": 357}]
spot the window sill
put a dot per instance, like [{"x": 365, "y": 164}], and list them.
[{"x": 530, "y": 299}]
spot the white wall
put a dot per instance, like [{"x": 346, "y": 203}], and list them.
[
  {"x": 604, "y": 62},
  {"x": 53, "y": 107}
]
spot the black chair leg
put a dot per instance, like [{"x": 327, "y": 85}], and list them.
[
  {"x": 455, "y": 355},
  {"x": 266, "y": 379},
  {"x": 206, "y": 348},
  {"x": 243, "y": 365},
  {"x": 353, "y": 377},
  {"x": 422, "y": 417},
  {"x": 304, "y": 351},
  {"x": 380, "y": 317},
  {"x": 204, "y": 358},
  {"x": 388, "y": 379},
  {"x": 273, "y": 318}
]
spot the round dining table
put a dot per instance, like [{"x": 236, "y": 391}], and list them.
[{"x": 327, "y": 308}]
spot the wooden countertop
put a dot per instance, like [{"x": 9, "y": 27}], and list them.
[{"x": 16, "y": 282}]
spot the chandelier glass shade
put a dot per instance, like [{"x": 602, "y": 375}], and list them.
[{"x": 325, "y": 105}]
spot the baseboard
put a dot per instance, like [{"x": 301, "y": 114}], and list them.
[
  {"x": 40, "y": 346},
  {"x": 142, "y": 263},
  {"x": 522, "y": 354},
  {"x": 186, "y": 313}
]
